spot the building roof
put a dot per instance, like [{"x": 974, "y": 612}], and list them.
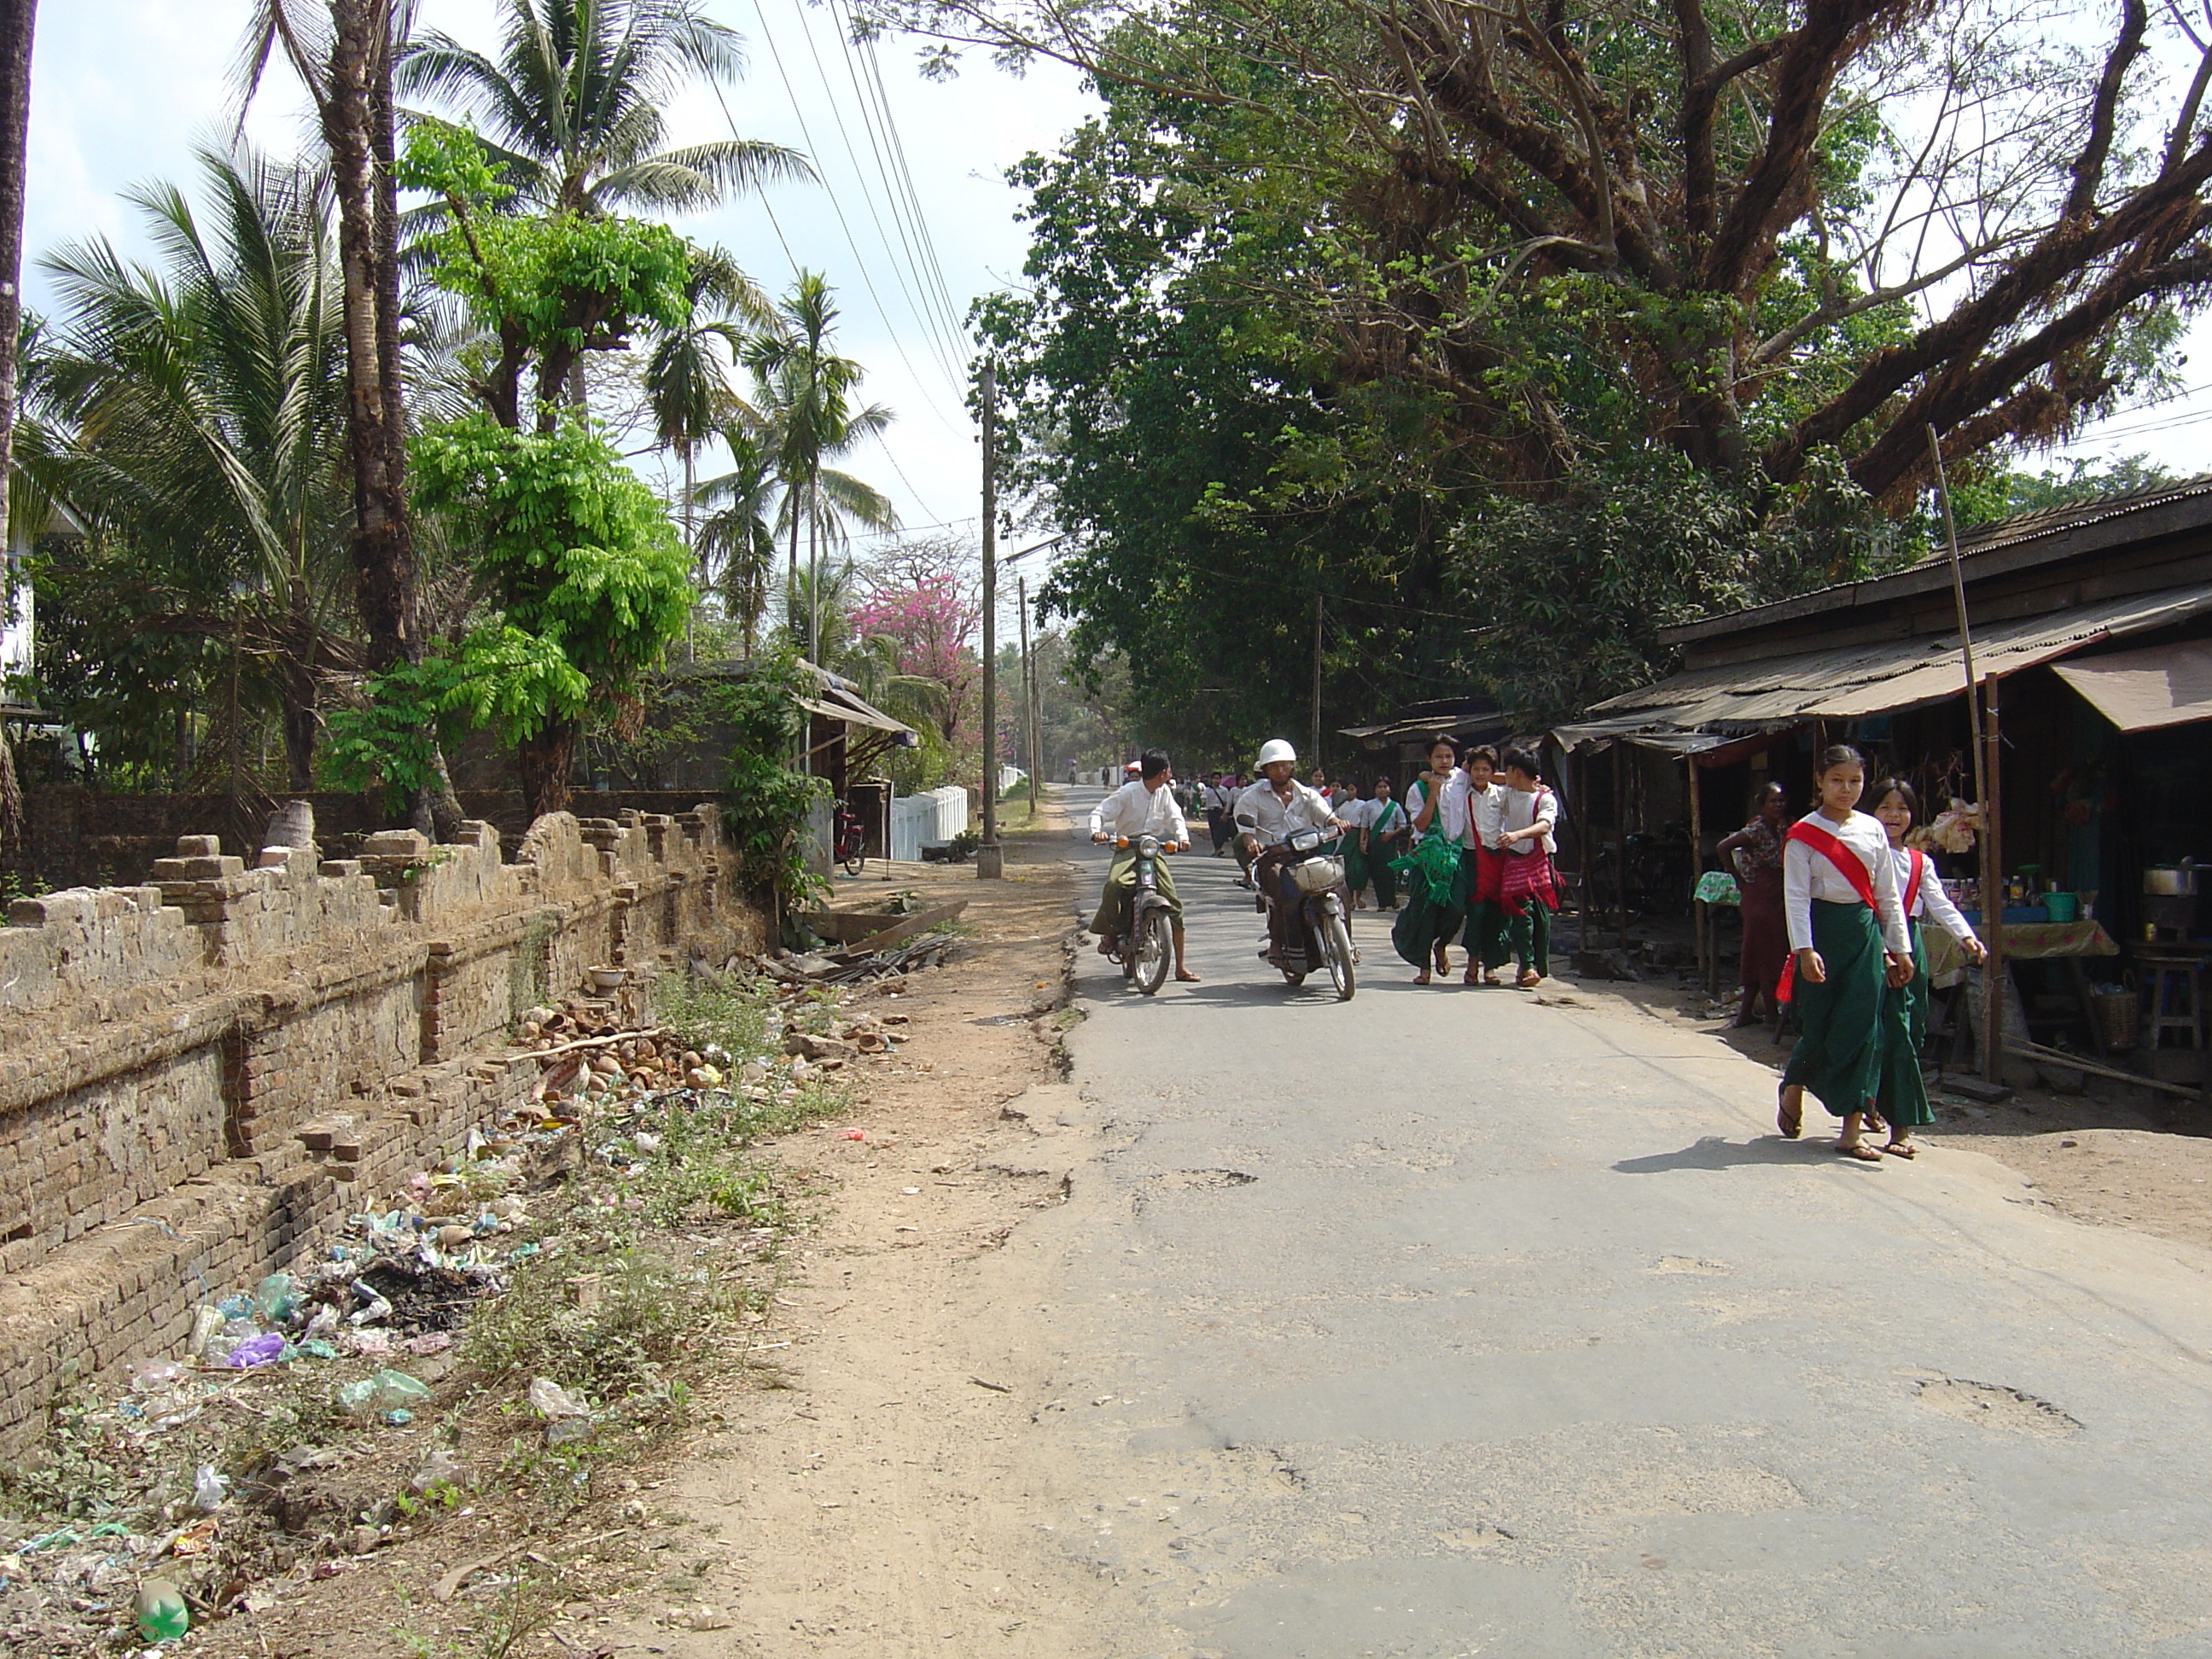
[
  {"x": 1707, "y": 708},
  {"x": 2000, "y": 548}
]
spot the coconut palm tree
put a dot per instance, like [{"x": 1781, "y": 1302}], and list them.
[
  {"x": 18, "y": 24},
  {"x": 740, "y": 534},
  {"x": 198, "y": 408},
  {"x": 806, "y": 397},
  {"x": 687, "y": 390},
  {"x": 572, "y": 106}
]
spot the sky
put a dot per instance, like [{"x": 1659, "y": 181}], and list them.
[{"x": 123, "y": 88}]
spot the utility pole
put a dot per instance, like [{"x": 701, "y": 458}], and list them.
[
  {"x": 1314, "y": 758},
  {"x": 1028, "y": 697},
  {"x": 990, "y": 863}
]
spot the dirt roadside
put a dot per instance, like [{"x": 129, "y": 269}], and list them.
[{"x": 2144, "y": 1163}]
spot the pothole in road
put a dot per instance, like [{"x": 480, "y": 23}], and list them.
[
  {"x": 1689, "y": 1264},
  {"x": 1997, "y": 1407},
  {"x": 1191, "y": 1180}
]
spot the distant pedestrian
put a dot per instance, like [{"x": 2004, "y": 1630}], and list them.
[
  {"x": 1757, "y": 851},
  {"x": 1847, "y": 944},
  {"x": 1526, "y": 891},
  {"x": 1902, "y": 1097},
  {"x": 1352, "y": 814},
  {"x": 1436, "y": 802},
  {"x": 1383, "y": 828}
]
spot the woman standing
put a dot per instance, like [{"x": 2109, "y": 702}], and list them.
[
  {"x": 1352, "y": 815},
  {"x": 1485, "y": 830},
  {"x": 1383, "y": 835},
  {"x": 1903, "y": 1098},
  {"x": 1526, "y": 892},
  {"x": 1436, "y": 802},
  {"x": 1847, "y": 944},
  {"x": 1757, "y": 854}
]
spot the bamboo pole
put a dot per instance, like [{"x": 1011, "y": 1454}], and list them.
[
  {"x": 989, "y": 861},
  {"x": 1708, "y": 956},
  {"x": 1982, "y": 742}
]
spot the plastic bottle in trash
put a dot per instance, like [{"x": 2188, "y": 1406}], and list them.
[
  {"x": 161, "y": 1611},
  {"x": 275, "y": 1298}
]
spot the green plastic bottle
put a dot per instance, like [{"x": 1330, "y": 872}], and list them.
[{"x": 162, "y": 1616}]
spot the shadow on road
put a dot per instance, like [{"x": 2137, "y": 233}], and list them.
[{"x": 1711, "y": 1152}]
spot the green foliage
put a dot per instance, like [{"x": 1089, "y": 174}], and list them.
[
  {"x": 530, "y": 273},
  {"x": 769, "y": 796}
]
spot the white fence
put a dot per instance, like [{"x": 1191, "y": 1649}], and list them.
[{"x": 927, "y": 820}]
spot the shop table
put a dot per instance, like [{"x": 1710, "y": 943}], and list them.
[{"x": 2031, "y": 941}]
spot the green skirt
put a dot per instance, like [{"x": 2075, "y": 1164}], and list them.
[
  {"x": 1434, "y": 913},
  {"x": 1902, "y": 1097},
  {"x": 1838, "y": 1055},
  {"x": 1355, "y": 865}
]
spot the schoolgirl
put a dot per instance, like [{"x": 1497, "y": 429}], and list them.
[
  {"x": 1351, "y": 813},
  {"x": 1485, "y": 830},
  {"x": 1902, "y": 1097},
  {"x": 1526, "y": 891},
  {"x": 1848, "y": 945},
  {"x": 1436, "y": 804}
]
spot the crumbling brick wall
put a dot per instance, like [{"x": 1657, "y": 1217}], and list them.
[{"x": 201, "y": 1074}]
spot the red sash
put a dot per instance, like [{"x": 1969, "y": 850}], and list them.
[
  {"x": 1912, "y": 882},
  {"x": 1852, "y": 870}
]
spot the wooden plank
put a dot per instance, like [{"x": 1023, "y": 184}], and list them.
[{"x": 874, "y": 929}]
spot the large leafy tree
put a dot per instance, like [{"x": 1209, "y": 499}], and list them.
[
  {"x": 193, "y": 412},
  {"x": 1772, "y": 230},
  {"x": 574, "y": 104}
]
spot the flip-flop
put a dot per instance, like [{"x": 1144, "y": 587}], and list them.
[
  {"x": 1861, "y": 1151},
  {"x": 1789, "y": 1123},
  {"x": 1421, "y": 978},
  {"x": 1184, "y": 976},
  {"x": 1902, "y": 1149}
]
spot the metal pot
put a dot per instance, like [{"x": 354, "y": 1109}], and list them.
[{"x": 2170, "y": 880}]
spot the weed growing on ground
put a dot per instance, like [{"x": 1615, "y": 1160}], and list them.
[{"x": 706, "y": 1014}]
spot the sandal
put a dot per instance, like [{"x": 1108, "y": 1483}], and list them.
[
  {"x": 1490, "y": 977},
  {"x": 1529, "y": 979},
  {"x": 1876, "y": 1123},
  {"x": 1860, "y": 1150},
  {"x": 1472, "y": 976},
  {"x": 1902, "y": 1149},
  {"x": 1789, "y": 1114},
  {"x": 1421, "y": 978}
]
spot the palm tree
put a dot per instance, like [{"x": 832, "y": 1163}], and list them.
[
  {"x": 686, "y": 391},
  {"x": 806, "y": 394},
  {"x": 573, "y": 107},
  {"x": 741, "y": 534},
  {"x": 18, "y": 23},
  {"x": 200, "y": 408}
]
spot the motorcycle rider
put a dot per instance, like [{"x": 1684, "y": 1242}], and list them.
[
  {"x": 1268, "y": 812},
  {"x": 1145, "y": 806}
]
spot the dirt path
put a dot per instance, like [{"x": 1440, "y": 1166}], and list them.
[{"x": 869, "y": 1494}]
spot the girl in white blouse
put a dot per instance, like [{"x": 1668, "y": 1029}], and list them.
[
  {"x": 1902, "y": 1098},
  {"x": 1848, "y": 943}
]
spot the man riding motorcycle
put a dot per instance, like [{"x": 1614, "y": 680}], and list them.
[
  {"x": 1267, "y": 812},
  {"x": 1144, "y": 806}
]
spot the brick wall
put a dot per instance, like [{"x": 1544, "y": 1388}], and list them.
[{"x": 203, "y": 1072}]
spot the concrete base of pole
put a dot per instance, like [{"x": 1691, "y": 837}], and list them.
[{"x": 990, "y": 863}]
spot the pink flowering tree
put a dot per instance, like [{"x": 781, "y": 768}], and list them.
[{"x": 918, "y": 618}]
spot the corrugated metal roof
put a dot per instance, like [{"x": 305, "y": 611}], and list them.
[{"x": 1848, "y": 682}]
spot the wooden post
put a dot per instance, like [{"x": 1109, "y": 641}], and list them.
[
  {"x": 1620, "y": 833},
  {"x": 1982, "y": 742},
  {"x": 1707, "y": 956},
  {"x": 1993, "y": 979},
  {"x": 989, "y": 861},
  {"x": 1314, "y": 759}
]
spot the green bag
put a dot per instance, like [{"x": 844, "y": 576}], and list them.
[{"x": 1430, "y": 867}]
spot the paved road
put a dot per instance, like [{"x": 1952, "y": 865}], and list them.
[{"x": 1445, "y": 1322}]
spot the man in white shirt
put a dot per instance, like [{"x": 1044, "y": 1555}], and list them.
[
  {"x": 1144, "y": 806},
  {"x": 1266, "y": 814}
]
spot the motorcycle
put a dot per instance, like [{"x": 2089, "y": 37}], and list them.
[
  {"x": 1324, "y": 938},
  {"x": 852, "y": 838},
  {"x": 1147, "y": 944}
]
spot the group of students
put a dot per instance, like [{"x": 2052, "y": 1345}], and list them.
[
  {"x": 1479, "y": 869},
  {"x": 1854, "y": 896}
]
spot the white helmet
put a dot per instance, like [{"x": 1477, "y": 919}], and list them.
[{"x": 1276, "y": 749}]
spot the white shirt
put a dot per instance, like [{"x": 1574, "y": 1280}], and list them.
[
  {"x": 1523, "y": 809},
  {"x": 1354, "y": 814},
  {"x": 1135, "y": 811},
  {"x": 1371, "y": 809},
  {"x": 1807, "y": 875},
  {"x": 1487, "y": 813},
  {"x": 1451, "y": 819},
  {"x": 1931, "y": 902},
  {"x": 1271, "y": 817}
]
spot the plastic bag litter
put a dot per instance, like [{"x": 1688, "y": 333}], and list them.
[
  {"x": 210, "y": 1486},
  {"x": 160, "y": 1610},
  {"x": 275, "y": 1298},
  {"x": 386, "y": 1391},
  {"x": 156, "y": 1375},
  {"x": 549, "y": 1398},
  {"x": 438, "y": 1467},
  {"x": 256, "y": 1351}
]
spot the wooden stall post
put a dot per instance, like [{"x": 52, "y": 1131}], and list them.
[
  {"x": 1708, "y": 957},
  {"x": 1620, "y": 833}
]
